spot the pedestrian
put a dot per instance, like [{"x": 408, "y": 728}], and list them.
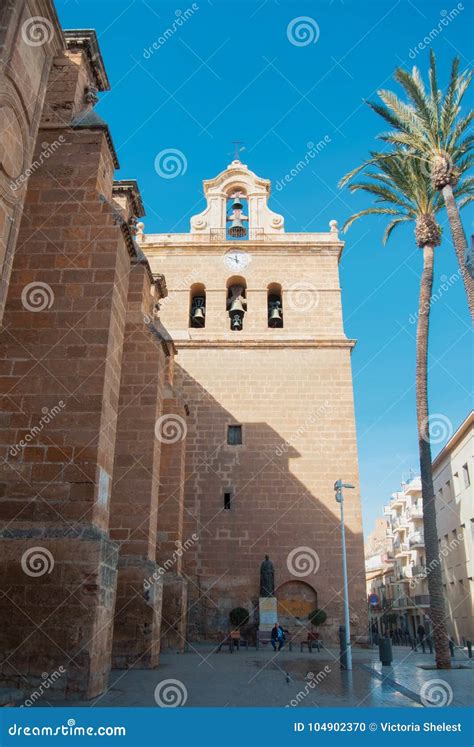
[
  {"x": 421, "y": 633},
  {"x": 278, "y": 637}
]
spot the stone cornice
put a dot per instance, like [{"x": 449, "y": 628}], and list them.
[
  {"x": 254, "y": 343},
  {"x": 130, "y": 188},
  {"x": 86, "y": 40}
]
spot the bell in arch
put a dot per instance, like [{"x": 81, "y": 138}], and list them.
[
  {"x": 237, "y": 230},
  {"x": 236, "y": 305},
  {"x": 275, "y": 314},
  {"x": 198, "y": 312}
]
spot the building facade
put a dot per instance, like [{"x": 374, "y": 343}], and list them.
[
  {"x": 379, "y": 563},
  {"x": 173, "y": 407},
  {"x": 454, "y": 494},
  {"x": 263, "y": 367},
  {"x": 409, "y": 587}
]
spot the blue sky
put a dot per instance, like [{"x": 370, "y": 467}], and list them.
[{"x": 230, "y": 72}]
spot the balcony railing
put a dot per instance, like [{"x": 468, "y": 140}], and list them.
[
  {"x": 418, "y": 570},
  {"x": 415, "y": 512},
  {"x": 422, "y": 600},
  {"x": 416, "y": 539}
]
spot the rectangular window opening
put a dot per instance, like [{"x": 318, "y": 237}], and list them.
[
  {"x": 227, "y": 499},
  {"x": 467, "y": 478},
  {"x": 234, "y": 435}
]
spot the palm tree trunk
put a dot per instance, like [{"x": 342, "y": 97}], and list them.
[
  {"x": 435, "y": 584},
  {"x": 459, "y": 241}
]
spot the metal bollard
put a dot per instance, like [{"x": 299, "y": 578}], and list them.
[
  {"x": 451, "y": 647},
  {"x": 469, "y": 648},
  {"x": 385, "y": 651},
  {"x": 342, "y": 647}
]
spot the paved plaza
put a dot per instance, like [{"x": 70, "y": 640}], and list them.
[{"x": 202, "y": 677}]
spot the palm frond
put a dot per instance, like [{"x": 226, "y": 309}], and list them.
[
  {"x": 367, "y": 211},
  {"x": 392, "y": 225}
]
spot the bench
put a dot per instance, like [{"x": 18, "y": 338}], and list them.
[
  {"x": 233, "y": 640},
  {"x": 313, "y": 639},
  {"x": 265, "y": 636}
]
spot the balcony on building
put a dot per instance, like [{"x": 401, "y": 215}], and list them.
[{"x": 416, "y": 539}]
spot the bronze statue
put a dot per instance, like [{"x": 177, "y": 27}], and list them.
[{"x": 267, "y": 578}]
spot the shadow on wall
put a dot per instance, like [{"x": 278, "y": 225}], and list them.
[{"x": 243, "y": 502}]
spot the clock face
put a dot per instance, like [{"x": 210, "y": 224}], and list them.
[{"x": 237, "y": 259}]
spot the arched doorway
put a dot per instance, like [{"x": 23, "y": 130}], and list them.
[{"x": 296, "y": 599}]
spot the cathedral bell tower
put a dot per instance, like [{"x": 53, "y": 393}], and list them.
[{"x": 264, "y": 370}]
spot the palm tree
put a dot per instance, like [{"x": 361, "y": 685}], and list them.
[
  {"x": 405, "y": 193},
  {"x": 431, "y": 129}
]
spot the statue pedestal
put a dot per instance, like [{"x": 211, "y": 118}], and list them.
[{"x": 267, "y": 612}]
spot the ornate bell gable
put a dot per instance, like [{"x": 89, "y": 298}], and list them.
[{"x": 237, "y": 178}]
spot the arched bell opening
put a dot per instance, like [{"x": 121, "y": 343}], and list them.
[
  {"x": 236, "y": 302},
  {"x": 197, "y": 306},
  {"x": 236, "y": 218},
  {"x": 274, "y": 306}
]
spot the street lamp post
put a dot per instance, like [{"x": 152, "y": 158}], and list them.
[{"x": 338, "y": 486}]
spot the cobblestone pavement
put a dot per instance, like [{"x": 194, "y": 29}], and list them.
[{"x": 261, "y": 678}]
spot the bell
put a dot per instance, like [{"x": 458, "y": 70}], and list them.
[
  {"x": 198, "y": 317},
  {"x": 237, "y": 204},
  {"x": 236, "y": 305},
  {"x": 276, "y": 318},
  {"x": 237, "y": 229}
]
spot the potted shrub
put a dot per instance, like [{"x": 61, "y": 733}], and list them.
[{"x": 317, "y": 618}]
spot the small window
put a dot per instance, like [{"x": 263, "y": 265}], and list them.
[
  {"x": 227, "y": 499},
  {"x": 465, "y": 473},
  {"x": 234, "y": 435}
]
